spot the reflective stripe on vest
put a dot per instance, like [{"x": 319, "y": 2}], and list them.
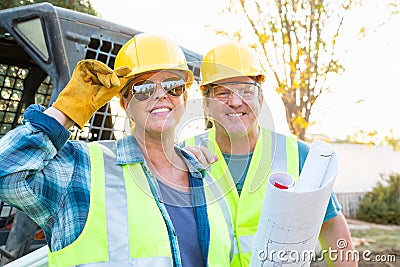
[
  {"x": 221, "y": 236},
  {"x": 126, "y": 210},
  {"x": 273, "y": 152}
]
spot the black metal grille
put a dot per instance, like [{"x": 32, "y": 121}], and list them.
[
  {"x": 102, "y": 50},
  {"x": 14, "y": 99},
  {"x": 43, "y": 93},
  {"x": 11, "y": 80},
  {"x": 6, "y": 218}
]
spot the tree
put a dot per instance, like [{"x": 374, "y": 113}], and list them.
[
  {"x": 83, "y": 6},
  {"x": 297, "y": 39}
]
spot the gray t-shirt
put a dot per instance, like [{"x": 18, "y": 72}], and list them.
[
  {"x": 238, "y": 165},
  {"x": 180, "y": 211}
]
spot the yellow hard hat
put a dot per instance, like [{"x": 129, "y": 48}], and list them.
[
  {"x": 148, "y": 52},
  {"x": 229, "y": 60}
]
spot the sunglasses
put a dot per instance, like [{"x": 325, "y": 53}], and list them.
[{"x": 144, "y": 89}]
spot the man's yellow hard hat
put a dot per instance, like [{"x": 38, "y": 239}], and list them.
[{"x": 229, "y": 60}]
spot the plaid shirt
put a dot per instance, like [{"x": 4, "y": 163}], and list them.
[{"x": 48, "y": 177}]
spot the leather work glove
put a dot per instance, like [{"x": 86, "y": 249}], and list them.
[{"x": 91, "y": 86}]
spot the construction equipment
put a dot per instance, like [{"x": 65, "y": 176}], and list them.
[{"x": 40, "y": 45}]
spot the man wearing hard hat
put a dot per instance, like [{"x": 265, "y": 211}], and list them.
[{"x": 232, "y": 99}]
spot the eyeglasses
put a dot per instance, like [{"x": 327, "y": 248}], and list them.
[
  {"x": 245, "y": 90},
  {"x": 144, "y": 89}
]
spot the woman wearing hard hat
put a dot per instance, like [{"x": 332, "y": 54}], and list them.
[{"x": 139, "y": 201}]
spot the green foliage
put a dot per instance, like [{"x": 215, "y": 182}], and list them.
[
  {"x": 382, "y": 204},
  {"x": 83, "y": 6}
]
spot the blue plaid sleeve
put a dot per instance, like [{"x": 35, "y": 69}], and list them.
[
  {"x": 37, "y": 167},
  {"x": 24, "y": 153}
]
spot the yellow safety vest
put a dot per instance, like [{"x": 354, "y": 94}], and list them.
[
  {"x": 273, "y": 152},
  {"x": 125, "y": 226}
]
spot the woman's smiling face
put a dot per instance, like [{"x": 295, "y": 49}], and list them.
[{"x": 150, "y": 106}]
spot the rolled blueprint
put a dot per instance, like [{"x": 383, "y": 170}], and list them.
[
  {"x": 290, "y": 220},
  {"x": 315, "y": 166},
  {"x": 282, "y": 180}
]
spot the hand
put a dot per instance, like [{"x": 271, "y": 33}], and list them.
[
  {"x": 202, "y": 154},
  {"x": 91, "y": 86}
]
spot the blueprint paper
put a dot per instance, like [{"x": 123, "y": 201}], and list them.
[
  {"x": 315, "y": 166},
  {"x": 290, "y": 220}
]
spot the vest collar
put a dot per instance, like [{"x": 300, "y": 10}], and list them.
[{"x": 128, "y": 152}]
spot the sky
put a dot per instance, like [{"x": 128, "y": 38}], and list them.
[{"x": 365, "y": 97}]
